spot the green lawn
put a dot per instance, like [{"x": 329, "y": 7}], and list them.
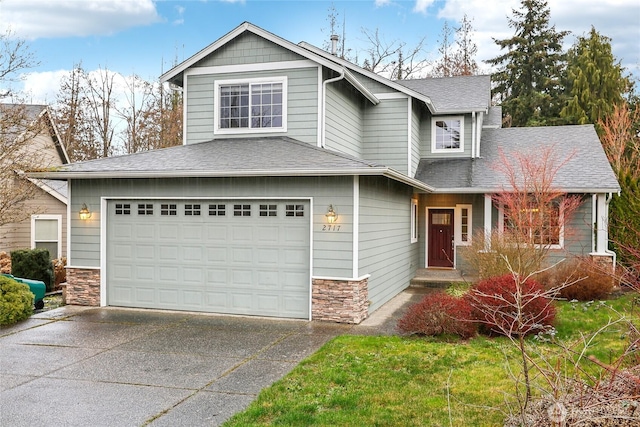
[{"x": 389, "y": 381}]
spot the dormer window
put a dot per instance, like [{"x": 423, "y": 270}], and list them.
[
  {"x": 251, "y": 105},
  {"x": 447, "y": 134}
]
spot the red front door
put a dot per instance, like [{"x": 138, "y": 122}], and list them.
[{"x": 440, "y": 238}]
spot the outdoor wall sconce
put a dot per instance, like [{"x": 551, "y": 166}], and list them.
[
  {"x": 331, "y": 215},
  {"x": 84, "y": 212}
]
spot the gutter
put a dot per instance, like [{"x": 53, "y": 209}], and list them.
[
  {"x": 324, "y": 105},
  {"x": 609, "y": 251}
]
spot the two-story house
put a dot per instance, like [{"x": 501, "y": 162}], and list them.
[
  {"x": 42, "y": 202},
  {"x": 306, "y": 187}
]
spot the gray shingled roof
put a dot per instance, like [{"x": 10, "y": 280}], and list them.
[
  {"x": 218, "y": 157},
  {"x": 586, "y": 170},
  {"x": 454, "y": 94}
]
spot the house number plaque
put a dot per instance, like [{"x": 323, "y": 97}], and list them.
[{"x": 331, "y": 227}]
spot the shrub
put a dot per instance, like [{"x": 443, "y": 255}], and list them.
[
  {"x": 437, "y": 314},
  {"x": 592, "y": 282},
  {"x": 33, "y": 264},
  {"x": 494, "y": 305},
  {"x": 59, "y": 271},
  {"x": 16, "y": 301}
]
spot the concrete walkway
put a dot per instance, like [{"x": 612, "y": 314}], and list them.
[{"x": 79, "y": 366}]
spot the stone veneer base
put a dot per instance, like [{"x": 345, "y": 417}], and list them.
[
  {"x": 83, "y": 286},
  {"x": 343, "y": 301}
]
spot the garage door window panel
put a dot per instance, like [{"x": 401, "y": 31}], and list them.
[
  {"x": 294, "y": 210},
  {"x": 168, "y": 210},
  {"x": 217, "y": 210},
  {"x": 241, "y": 210},
  {"x": 268, "y": 210},
  {"x": 145, "y": 209},
  {"x": 123, "y": 209},
  {"x": 192, "y": 210}
]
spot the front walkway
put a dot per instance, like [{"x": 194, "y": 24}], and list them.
[{"x": 439, "y": 277}]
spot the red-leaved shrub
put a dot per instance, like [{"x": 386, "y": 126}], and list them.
[
  {"x": 588, "y": 280},
  {"x": 437, "y": 314},
  {"x": 494, "y": 305}
]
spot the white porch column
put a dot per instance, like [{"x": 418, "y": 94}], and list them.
[
  {"x": 488, "y": 204},
  {"x": 602, "y": 224}
]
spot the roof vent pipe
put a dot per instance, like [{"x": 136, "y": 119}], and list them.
[{"x": 334, "y": 44}]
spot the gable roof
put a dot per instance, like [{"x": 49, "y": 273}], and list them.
[
  {"x": 586, "y": 170},
  {"x": 229, "y": 157},
  {"x": 457, "y": 94}
]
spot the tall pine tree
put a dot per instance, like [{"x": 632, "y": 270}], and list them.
[
  {"x": 529, "y": 74},
  {"x": 594, "y": 82}
]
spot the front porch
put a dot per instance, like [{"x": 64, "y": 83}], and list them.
[{"x": 439, "y": 278}]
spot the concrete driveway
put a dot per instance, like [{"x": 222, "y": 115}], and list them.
[{"x": 78, "y": 366}]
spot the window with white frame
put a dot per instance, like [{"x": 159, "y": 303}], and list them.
[
  {"x": 539, "y": 225},
  {"x": 447, "y": 134},
  {"x": 251, "y": 105},
  {"x": 414, "y": 220},
  {"x": 46, "y": 233},
  {"x": 463, "y": 225}
]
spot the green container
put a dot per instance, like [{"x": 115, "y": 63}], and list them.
[{"x": 37, "y": 288}]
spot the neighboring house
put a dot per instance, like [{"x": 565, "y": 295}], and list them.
[
  {"x": 47, "y": 226},
  {"x": 307, "y": 187}
]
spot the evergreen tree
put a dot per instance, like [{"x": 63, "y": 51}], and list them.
[
  {"x": 528, "y": 79},
  {"x": 594, "y": 82}
]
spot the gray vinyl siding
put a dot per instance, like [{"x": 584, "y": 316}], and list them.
[
  {"x": 415, "y": 137},
  {"x": 344, "y": 119},
  {"x": 302, "y": 104},
  {"x": 385, "y": 134},
  {"x": 248, "y": 48},
  {"x": 578, "y": 234},
  {"x": 385, "y": 251},
  {"x": 426, "y": 138},
  {"x": 332, "y": 251}
]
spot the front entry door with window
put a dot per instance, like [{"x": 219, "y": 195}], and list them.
[{"x": 440, "y": 238}]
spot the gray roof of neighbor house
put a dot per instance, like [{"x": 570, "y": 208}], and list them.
[
  {"x": 454, "y": 94},
  {"x": 229, "y": 157},
  {"x": 583, "y": 165}
]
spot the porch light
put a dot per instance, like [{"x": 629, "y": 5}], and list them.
[
  {"x": 331, "y": 215},
  {"x": 84, "y": 212}
]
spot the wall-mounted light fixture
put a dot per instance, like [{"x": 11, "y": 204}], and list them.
[
  {"x": 331, "y": 215},
  {"x": 84, "y": 212}
]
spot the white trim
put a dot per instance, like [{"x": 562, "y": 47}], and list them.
[
  {"x": 391, "y": 95},
  {"x": 457, "y": 224},
  {"x": 47, "y": 189},
  {"x": 473, "y": 134},
  {"x": 82, "y": 267},
  {"x": 46, "y": 217},
  {"x": 217, "y": 130},
  {"x": 323, "y": 100},
  {"x": 69, "y": 224},
  {"x": 560, "y": 244},
  {"x": 320, "y": 123},
  {"x": 345, "y": 279},
  {"x": 356, "y": 226},
  {"x": 488, "y": 206},
  {"x": 414, "y": 221},
  {"x": 409, "y": 124},
  {"x": 310, "y": 317},
  {"x": 243, "y": 68},
  {"x": 426, "y": 233},
  {"x": 434, "y": 119},
  {"x": 185, "y": 106},
  {"x": 104, "y": 215}
]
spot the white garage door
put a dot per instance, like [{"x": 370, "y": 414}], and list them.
[{"x": 224, "y": 256}]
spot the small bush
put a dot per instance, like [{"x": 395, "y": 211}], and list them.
[
  {"x": 59, "y": 271},
  {"x": 592, "y": 282},
  {"x": 439, "y": 314},
  {"x": 16, "y": 301},
  {"x": 5, "y": 263},
  {"x": 33, "y": 264},
  {"x": 494, "y": 306}
]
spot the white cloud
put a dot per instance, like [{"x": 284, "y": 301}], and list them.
[
  {"x": 616, "y": 19},
  {"x": 422, "y": 5},
  {"x": 381, "y": 3},
  {"x": 32, "y": 19}
]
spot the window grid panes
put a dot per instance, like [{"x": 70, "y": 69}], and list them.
[
  {"x": 294, "y": 210},
  {"x": 448, "y": 135},
  {"x": 268, "y": 210},
  {"x": 192, "y": 210},
  {"x": 255, "y": 106},
  {"x": 123, "y": 209},
  {"x": 145, "y": 209},
  {"x": 464, "y": 224},
  {"x": 537, "y": 225},
  {"x": 168, "y": 210},
  {"x": 217, "y": 210},
  {"x": 241, "y": 210},
  {"x": 46, "y": 236}
]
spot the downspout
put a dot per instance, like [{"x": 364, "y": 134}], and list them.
[
  {"x": 324, "y": 104},
  {"x": 607, "y": 200}
]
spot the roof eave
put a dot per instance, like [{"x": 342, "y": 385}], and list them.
[{"x": 488, "y": 190}]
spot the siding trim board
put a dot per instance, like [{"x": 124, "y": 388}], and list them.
[{"x": 243, "y": 68}]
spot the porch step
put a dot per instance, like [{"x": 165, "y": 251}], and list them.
[{"x": 438, "y": 278}]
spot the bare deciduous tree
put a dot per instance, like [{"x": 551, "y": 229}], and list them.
[{"x": 100, "y": 104}]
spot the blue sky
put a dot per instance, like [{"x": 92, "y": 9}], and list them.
[{"x": 145, "y": 36}]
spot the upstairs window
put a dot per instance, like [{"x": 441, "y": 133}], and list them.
[
  {"x": 256, "y": 105},
  {"x": 447, "y": 134}
]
